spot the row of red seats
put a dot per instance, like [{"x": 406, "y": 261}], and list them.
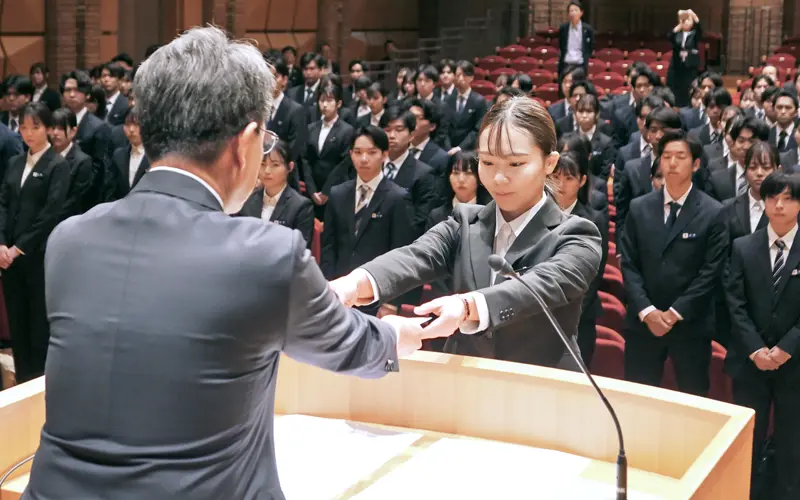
[
  {"x": 607, "y": 55},
  {"x": 490, "y": 65}
]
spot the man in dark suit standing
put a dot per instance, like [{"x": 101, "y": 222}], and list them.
[
  {"x": 575, "y": 39},
  {"x": 312, "y": 64},
  {"x": 466, "y": 109},
  {"x": 673, "y": 248},
  {"x": 423, "y": 148},
  {"x": 41, "y": 92},
  {"x": 129, "y": 164},
  {"x": 65, "y": 125},
  {"x": 10, "y": 146},
  {"x": 288, "y": 119},
  {"x": 791, "y": 158},
  {"x": 139, "y": 281},
  {"x": 727, "y": 175},
  {"x": 116, "y": 103},
  {"x": 762, "y": 283},
  {"x": 781, "y": 135}
]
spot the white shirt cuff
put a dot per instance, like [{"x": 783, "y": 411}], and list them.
[
  {"x": 676, "y": 313},
  {"x": 359, "y": 272},
  {"x": 471, "y": 327},
  {"x": 644, "y": 312}
]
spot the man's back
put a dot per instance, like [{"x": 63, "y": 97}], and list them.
[{"x": 168, "y": 318}]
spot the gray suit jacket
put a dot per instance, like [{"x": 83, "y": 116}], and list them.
[
  {"x": 561, "y": 254},
  {"x": 167, "y": 322}
]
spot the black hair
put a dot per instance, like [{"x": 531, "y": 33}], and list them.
[
  {"x": 575, "y": 142},
  {"x": 509, "y": 92},
  {"x": 289, "y": 48},
  {"x": 96, "y": 72},
  {"x": 123, "y": 57},
  {"x": 429, "y": 72},
  {"x": 98, "y": 96},
  {"x": 358, "y": 62},
  {"x": 430, "y": 110},
  {"x": 524, "y": 81},
  {"x": 393, "y": 113},
  {"x": 588, "y": 102},
  {"x": 785, "y": 93},
  {"x": 467, "y": 162},
  {"x": 716, "y": 78},
  {"x": 758, "y": 127},
  {"x": 81, "y": 78},
  {"x": 281, "y": 68},
  {"x": 22, "y": 85},
  {"x": 667, "y": 117},
  {"x": 653, "y": 102},
  {"x": 757, "y": 79},
  {"x": 769, "y": 94},
  {"x": 678, "y": 135},
  {"x": 577, "y": 165},
  {"x": 648, "y": 73},
  {"x": 310, "y": 57},
  {"x": 467, "y": 68},
  {"x": 779, "y": 181},
  {"x": 115, "y": 69},
  {"x": 577, "y": 72},
  {"x": 446, "y": 63},
  {"x": 718, "y": 96},
  {"x": 131, "y": 117},
  {"x": 64, "y": 118},
  {"x": 666, "y": 94},
  {"x": 329, "y": 87},
  {"x": 39, "y": 66},
  {"x": 151, "y": 49},
  {"x": 576, "y": 3},
  {"x": 375, "y": 134},
  {"x": 39, "y": 112},
  {"x": 282, "y": 148},
  {"x": 363, "y": 82},
  {"x": 584, "y": 84},
  {"x": 377, "y": 88},
  {"x": 762, "y": 152}
]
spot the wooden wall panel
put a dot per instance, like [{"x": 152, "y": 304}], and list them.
[
  {"x": 374, "y": 15},
  {"x": 108, "y": 47},
  {"x": 22, "y": 52},
  {"x": 109, "y": 16},
  {"x": 23, "y": 16},
  {"x": 192, "y": 13},
  {"x": 305, "y": 15}
]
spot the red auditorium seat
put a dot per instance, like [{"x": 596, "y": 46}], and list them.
[
  {"x": 609, "y": 359},
  {"x": 498, "y": 72},
  {"x": 490, "y": 63},
  {"x": 613, "y": 285},
  {"x": 613, "y": 316},
  {"x": 620, "y": 91},
  {"x": 549, "y": 32},
  {"x": 540, "y": 101},
  {"x": 645, "y": 55},
  {"x": 545, "y": 52},
  {"x": 605, "y": 333},
  {"x": 490, "y": 97},
  {"x": 316, "y": 240},
  {"x": 541, "y": 77},
  {"x": 597, "y": 66},
  {"x": 608, "y": 80},
  {"x": 548, "y": 92},
  {"x": 789, "y": 49},
  {"x": 620, "y": 67},
  {"x": 551, "y": 64},
  {"x": 782, "y": 61},
  {"x": 483, "y": 87},
  {"x": 481, "y": 74},
  {"x": 532, "y": 41},
  {"x": 660, "y": 68},
  {"x": 666, "y": 56},
  {"x": 609, "y": 55},
  {"x": 525, "y": 64},
  {"x": 512, "y": 51},
  {"x": 745, "y": 85},
  {"x": 659, "y": 45}
]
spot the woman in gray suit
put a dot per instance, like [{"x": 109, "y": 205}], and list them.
[{"x": 557, "y": 255}]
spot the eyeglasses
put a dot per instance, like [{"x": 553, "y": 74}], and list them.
[{"x": 270, "y": 141}]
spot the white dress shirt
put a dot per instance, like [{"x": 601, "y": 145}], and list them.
[
  {"x": 787, "y": 239},
  {"x": 667, "y": 200},
  {"x": 463, "y": 96},
  {"x": 397, "y": 162},
  {"x": 137, "y": 154},
  {"x": 473, "y": 201},
  {"x": 37, "y": 94},
  {"x": 189, "y": 174},
  {"x": 270, "y": 202},
  {"x": 373, "y": 185},
  {"x": 756, "y": 210},
  {"x": 110, "y": 100},
  {"x": 570, "y": 208},
  {"x": 789, "y": 131},
  {"x": 363, "y": 110},
  {"x": 276, "y": 105},
  {"x": 589, "y": 134},
  {"x": 66, "y": 150},
  {"x": 420, "y": 147},
  {"x": 446, "y": 92},
  {"x": 325, "y": 131},
  {"x": 575, "y": 44},
  {"x": 374, "y": 120},
  {"x": 30, "y": 162},
  {"x": 313, "y": 91}
]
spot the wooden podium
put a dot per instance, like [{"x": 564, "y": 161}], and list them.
[{"x": 678, "y": 446}]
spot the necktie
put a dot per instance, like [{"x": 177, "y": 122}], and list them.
[
  {"x": 460, "y": 106},
  {"x": 363, "y": 193},
  {"x": 760, "y": 114},
  {"x": 309, "y": 93},
  {"x": 504, "y": 240},
  {"x": 389, "y": 171},
  {"x": 780, "y": 261},
  {"x": 741, "y": 185},
  {"x": 414, "y": 152},
  {"x": 714, "y": 136},
  {"x": 674, "y": 206},
  {"x": 646, "y": 150},
  {"x": 782, "y": 140},
  {"x": 13, "y": 125}
]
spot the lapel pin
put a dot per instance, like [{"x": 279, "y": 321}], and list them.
[
  {"x": 36, "y": 174},
  {"x": 795, "y": 272},
  {"x": 685, "y": 235}
]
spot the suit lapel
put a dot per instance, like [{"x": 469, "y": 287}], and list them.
[
  {"x": 331, "y": 136},
  {"x": 350, "y": 208},
  {"x": 280, "y": 207},
  {"x": 371, "y": 208},
  {"x": 315, "y": 131},
  {"x": 792, "y": 261},
  {"x": 481, "y": 245},
  {"x": 549, "y": 216},
  {"x": 16, "y": 175},
  {"x": 42, "y": 164},
  {"x": 144, "y": 166},
  {"x": 405, "y": 175},
  {"x": 687, "y": 213},
  {"x": 743, "y": 212}
]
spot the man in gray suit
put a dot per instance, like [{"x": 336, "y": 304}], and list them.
[{"x": 168, "y": 316}]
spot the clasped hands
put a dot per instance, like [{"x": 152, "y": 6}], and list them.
[
  {"x": 8, "y": 255},
  {"x": 767, "y": 359},
  {"x": 661, "y": 322},
  {"x": 355, "y": 289}
]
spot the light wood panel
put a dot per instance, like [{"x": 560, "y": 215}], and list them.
[
  {"x": 109, "y": 16},
  {"x": 23, "y": 16},
  {"x": 22, "y": 52}
]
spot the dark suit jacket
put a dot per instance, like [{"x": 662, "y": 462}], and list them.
[
  {"x": 51, "y": 98},
  {"x": 624, "y": 123},
  {"x": 290, "y": 125},
  {"x": 438, "y": 160},
  {"x": 317, "y": 165},
  {"x": 295, "y": 77},
  {"x": 634, "y": 182},
  {"x": 693, "y": 41},
  {"x": 592, "y": 307},
  {"x": 603, "y": 154},
  {"x": 161, "y": 297},
  {"x": 80, "y": 182},
  {"x": 702, "y": 134},
  {"x": 691, "y": 118},
  {"x": 563, "y": 41},
  {"x": 347, "y": 242},
  {"x": 10, "y": 146},
  {"x": 94, "y": 138},
  {"x": 463, "y": 131},
  {"x": 292, "y": 210},
  {"x": 678, "y": 269},
  {"x": 557, "y": 111},
  {"x": 118, "y": 140},
  {"x": 737, "y": 213},
  {"x": 791, "y": 144},
  {"x": 29, "y": 213},
  {"x": 713, "y": 151},
  {"x": 121, "y": 171},
  {"x": 626, "y": 153},
  {"x": 789, "y": 159},
  {"x": 419, "y": 181},
  {"x": 562, "y": 255},
  {"x": 761, "y": 316},
  {"x": 116, "y": 115},
  {"x": 722, "y": 184}
]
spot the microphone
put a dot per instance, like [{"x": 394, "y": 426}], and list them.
[{"x": 502, "y": 267}]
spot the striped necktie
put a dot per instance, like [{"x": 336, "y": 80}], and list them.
[
  {"x": 389, "y": 171},
  {"x": 780, "y": 261}
]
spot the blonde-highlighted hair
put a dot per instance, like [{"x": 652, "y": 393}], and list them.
[{"x": 524, "y": 114}]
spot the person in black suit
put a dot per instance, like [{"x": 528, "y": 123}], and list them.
[
  {"x": 447, "y": 76},
  {"x": 638, "y": 145},
  {"x": 41, "y": 92},
  {"x": 367, "y": 216},
  {"x": 331, "y": 67},
  {"x": 288, "y": 119},
  {"x": 673, "y": 248},
  {"x": 328, "y": 142},
  {"x": 686, "y": 38},
  {"x": 695, "y": 114},
  {"x": 575, "y": 40},
  {"x": 61, "y": 135},
  {"x": 726, "y": 176},
  {"x": 781, "y": 135},
  {"x": 289, "y": 54},
  {"x": 715, "y": 101},
  {"x": 425, "y": 83},
  {"x": 376, "y": 101},
  {"x": 424, "y": 149},
  {"x": 603, "y": 151},
  {"x": 19, "y": 92},
  {"x": 275, "y": 201},
  {"x": 93, "y": 134},
  {"x": 635, "y": 180},
  {"x": 598, "y": 193},
  {"x": 400, "y": 166},
  {"x": 560, "y": 109},
  {"x": 357, "y": 68},
  {"x": 359, "y": 104},
  {"x": 32, "y": 198},
  {"x": 791, "y": 157},
  {"x": 572, "y": 194},
  {"x": 720, "y": 149},
  {"x": 116, "y": 103},
  {"x": 624, "y": 119},
  {"x": 762, "y": 283},
  {"x": 466, "y": 109},
  {"x": 10, "y": 146},
  {"x": 128, "y": 164},
  {"x": 312, "y": 64}
]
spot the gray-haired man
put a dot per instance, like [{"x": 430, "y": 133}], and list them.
[{"x": 168, "y": 317}]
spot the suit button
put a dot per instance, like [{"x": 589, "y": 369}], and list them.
[{"x": 389, "y": 365}]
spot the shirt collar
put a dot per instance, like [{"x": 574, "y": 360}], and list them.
[
  {"x": 422, "y": 144},
  {"x": 753, "y": 202},
  {"x": 373, "y": 184},
  {"x": 681, "y": 201},
  {"x": 473, "y": 201},
  {"x": 198, "y": 179},
  {"x": 110, "y": 100},
  {"x": 398, "y": 162},
  {"x": 376, "y": 117},
  {"x": 33, "y": 159},
  {"x": 779, "y": 129},
  {"x": 570, "y": 208},
  {"x": 80, "y": 114},
  {"x": 590, "y": 133},
  {"x": 313, "y": 87},
  {"x": 518, "y": 224},
  {"x": 643, "y": 144},
  {"x": 466, "y": 94},
  {"x": 277, "y": 103},
  {"x": 576, "y": 27},
  {"x": 787, "y": 238},
  {"x": 137, "y": 150},
  {"x": 331, "y": 123},
  {"x": 66, "y": 150},
  {"x": 276, "y": 198}
]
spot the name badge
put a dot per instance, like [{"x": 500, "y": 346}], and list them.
[
  {"x": 377, "y": 215},
  {"x": 37, "y": 175},
  {"x": 281, "y": 222},
  {"x": 795, "y": 272},
  {"x": 688, "y": 236}
]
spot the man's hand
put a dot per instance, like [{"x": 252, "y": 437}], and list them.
[
  {"x": 5, "y": 257},
  {"x": 779, "y": 356},
  {"x": 353, "y": 289},
  {"x": 670, "y": 317},
  {"x": 763, "y": 361},
  {"x": 451, "y": 312},
  {"x": 409, "y": 333},
  {"x": 657, "y": 324},
  {"x": 319, "y": 198}
]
